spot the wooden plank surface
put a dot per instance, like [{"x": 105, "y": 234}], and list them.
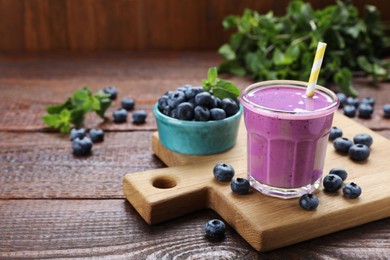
[
  {"x": 266, "y": 223},
  {"x": 48, "y": 198}
]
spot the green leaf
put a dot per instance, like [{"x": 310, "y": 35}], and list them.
[
  {"x": 343, "y": 79},
  {"x": 227, "y": 52},
  {"x": 279, "y": 58},
  {"x": 105, "y": 103},
  {"x": 226, "y": 89},
  {"x": 212, "y": 75},
  {"x": 232, "y": 67},
  {"x": 51, "y": 120},
  {"x": 206, "y": 85},
  {"x": 77, "y": 117},
  {"x": 365, "y": 64}
]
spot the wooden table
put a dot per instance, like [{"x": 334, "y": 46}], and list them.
[{"x": 53, "y": 204}]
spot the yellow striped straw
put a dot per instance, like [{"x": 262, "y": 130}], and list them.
[{"x": 315, "y": 70}]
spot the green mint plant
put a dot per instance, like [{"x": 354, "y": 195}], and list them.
[
  {"x": 219, "y": 87},
  {"x": 270, "y": 47},
  {"x": 72, "y": 112}
]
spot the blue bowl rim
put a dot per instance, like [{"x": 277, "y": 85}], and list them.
[{"x": 161, "y": 116}]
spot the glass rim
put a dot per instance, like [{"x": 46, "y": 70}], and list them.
[{"x": 286, "y": 113}]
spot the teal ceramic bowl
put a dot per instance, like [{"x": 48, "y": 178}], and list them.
[{"x": 196, "y": 137}]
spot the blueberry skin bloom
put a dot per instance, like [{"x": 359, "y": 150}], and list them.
[
  {"x": 201, "y": 113},
  {"x": 332, "y": 182},
  {"x": 96, "y": 135},
  {"x": 223, "y": 172},
  {"x": 230, "y": 106},
  {"x": 334, "y": 133},
  {"x": 128, "y": 103},
  {"x": 308, "y": 201},
  {"x": 217, "y": 114},
  {"x": 368, "y": 100},
  {"x": 365, "y": 139},
  {"x": 342, "y": 144},
  {"x": 215, "y": 228},
  {"x": 343, "y": 99},
  {"x": 120, "y": 115},
  {"x": 139, "y": 117},
  {"x": 365, "y": 110},
  {"x": 349, "y": 110},
  {"x": 112, "y": 91},
  {"x": 175, "y": 98},
  {"x": 204, "y": 99},
  {"x": 185, "y": 111},
  {"x": 386, "y": 110},
  {"x": 353, "y": 101},
  {"x": 352, "y": 190},
  {"x": 77, "y": 133},
  {"x": 81, "y": 146},
  {"x": 359, "y": 152},
  {"x": 339, "y": 172},
  {"x": 240, "y": 186}
]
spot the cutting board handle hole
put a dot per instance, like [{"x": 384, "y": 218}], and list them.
[{"x": 164, "y": 182}]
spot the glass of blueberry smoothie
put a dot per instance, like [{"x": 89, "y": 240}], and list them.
[{"x": 287, "y": 136}]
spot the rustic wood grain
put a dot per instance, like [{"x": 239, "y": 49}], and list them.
[
  {"x": 104, "y": 25},
  {"x": 113, "y": 229},
  {"x": 41, "y": 165}
]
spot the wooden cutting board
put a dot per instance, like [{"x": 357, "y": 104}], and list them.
[{"x": 266, "y": 223}]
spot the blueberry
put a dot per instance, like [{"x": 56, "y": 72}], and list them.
[
  {"x": 77, "y": 132},
  {"x": 81, "y": 146},
  {"x": 201, "y": 113},
  {"x": 215, "y": 228},
  {"x": 332, "y": 182},
  {"x": 223, "y": 172},
  {"x": 352, "y": 190},
  {"x": 386, "y": 110},
  {"x": 218, "y": 102},
  {"x": 120, "y": 115},
  {"x": 308, "y": 201},
  {"x": 214, "y": 103},
  {"x": 359, "y": 152},
  {"x": 139, "y": 117},
  {"x": 183, "y": 88},
  {"x": 349, "y": 110},
  {"x": 343, "y": 99},
  {"x": 339, "y": 172},
  {"x": 334, "y": 133},
  {"x": 112, "y": 91},
  {"x": 162, "y": 103},
  {"x": 185, "y": 111},
  {"x": 176, "y": 98},
  {"x": 217, "y": 114},
  {"x": 167, "y": 111},
  {"x": 192, "y": 92},
  {"x": 365, "y": 139},
  {"x": 353, "y": 101},
  {"x": 96, "y": 135},
  {"x": 128, "y": 103},
  {"x": 240, "y": 186},
  {"x": 342, "y": 144},
  {"x": 368, "y": 100},
  {"x": 204, "y": 99},
  {"x": 230, "y": 106},
  {"x": 365, "y": 110}
]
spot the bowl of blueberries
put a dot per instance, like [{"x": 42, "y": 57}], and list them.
[{"x": 191, "y": 120}]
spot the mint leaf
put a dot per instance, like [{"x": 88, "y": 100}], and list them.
[
  {"x": 343, "y": 78},
  {"x": 225, "y": 89},
  {"x": 51, "y": 120},
  {"x": 212, "y": 75}
]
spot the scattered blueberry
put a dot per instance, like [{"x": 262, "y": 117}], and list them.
[
  {"x": 215, "y": 228},
  {"x": 120, "y": 115},
  {"x": 128, "y": 103},
  {"x": 368, "y": 100},
  {"x": 240, "y": 186},
  {"x": 308, "y": 201},
  {"x": 223, "y": 172},
  {"x": 386, "y": 110},
  {"x": 175, "y": 98},
  {"x": 334, "y": 133},
  {"x": 204, "y": 99},
  {"x": 77, "y": 133},
  {"x": 352, "y": 190},
  {"x": 342, "y": 144},
  {"x": 365, "y": 139},
  {"x": 217, "y": 114},
  {"x": 349, "y": 110},
  {"x": 202, "y": 113},
  {"x": 230, "y": 106},
  {"x": 359, "y": 152},
  {"x": 81, "y": 146},
  {"x": 185, "y": 111},
  {"x": 112, "y": 91},
  {"x": 353, "y": 101},
  {"x": 96, "y": 135},
  {"x": 332, "y": 182},
  {"x": 139, "y": 117},
  {"x": 365, "y": 110},
  {"x": 343, "y": 99},
  {"x": 339, "y": 172}
]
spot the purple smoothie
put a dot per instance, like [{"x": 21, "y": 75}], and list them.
[{"x": 287, "y": 135}]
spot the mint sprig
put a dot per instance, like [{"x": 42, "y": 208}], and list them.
[
  {"x": 219, "y": 87},
  {"x": 72, "y": 112}
]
